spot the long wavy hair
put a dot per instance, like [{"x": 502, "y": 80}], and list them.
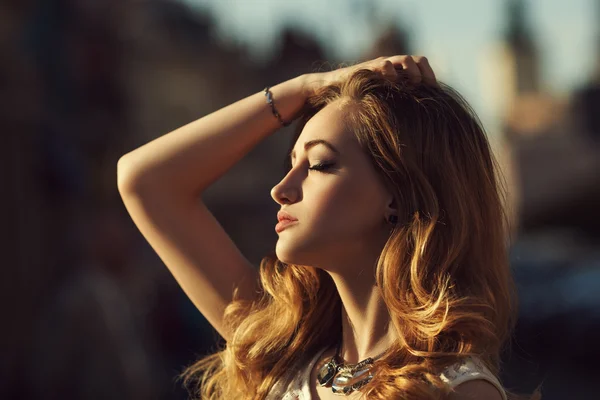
[{"x": 444, "y": 272}]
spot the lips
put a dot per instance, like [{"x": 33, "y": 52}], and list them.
[
  {"x": 285, "y": 220},
  {"x": 284, "y": 216},
  {"x": 284, "y": 223}
]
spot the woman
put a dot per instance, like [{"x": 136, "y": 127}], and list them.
[{"x": 390, "y": 277}]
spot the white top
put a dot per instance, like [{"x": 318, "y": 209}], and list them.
[{"x": 297, "y": 388}]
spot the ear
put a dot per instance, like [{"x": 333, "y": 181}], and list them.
[{"x": 391, "y": 207}]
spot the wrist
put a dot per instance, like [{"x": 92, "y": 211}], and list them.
[{"x": 309, "y": 84}]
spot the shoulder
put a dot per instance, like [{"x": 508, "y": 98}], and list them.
[
  {"x": 472, "y": 380},
  {"x": 478, "y": 389}
]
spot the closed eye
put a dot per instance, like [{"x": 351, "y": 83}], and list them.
[{"x": 321, "y": 167}]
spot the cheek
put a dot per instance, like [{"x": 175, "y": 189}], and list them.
[
  {"x": 329, "y": 201},
  {"x": 341, "y": 208}
]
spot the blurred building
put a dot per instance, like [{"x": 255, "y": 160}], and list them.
[
  {"x": 392, "y": 40},
  {"x": 556, "y": 164},
  {"x": 551, "y": 141}
]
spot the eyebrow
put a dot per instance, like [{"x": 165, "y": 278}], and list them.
[{"x": 313, "y": 143}]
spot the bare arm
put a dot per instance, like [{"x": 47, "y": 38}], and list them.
[
  {"x": 161, "y": 181},
  {"x": 189, "y": 159}
]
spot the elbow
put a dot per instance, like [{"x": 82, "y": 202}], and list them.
[{"x": 126, "y": 178}]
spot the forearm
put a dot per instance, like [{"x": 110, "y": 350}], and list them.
[{"x": 189, "y": 159}]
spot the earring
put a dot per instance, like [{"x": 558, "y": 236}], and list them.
[{"x": 393, "y": 219}]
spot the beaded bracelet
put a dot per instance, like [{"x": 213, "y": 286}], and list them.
[{"x": 269, "y": 95}]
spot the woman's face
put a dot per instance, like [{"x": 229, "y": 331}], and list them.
[{"x": 341, "y": 211}]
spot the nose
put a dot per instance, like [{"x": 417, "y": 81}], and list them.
[{"x": 284, "y": 193}]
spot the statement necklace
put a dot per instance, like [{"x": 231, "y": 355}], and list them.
[{"x": 346, "y": 378}]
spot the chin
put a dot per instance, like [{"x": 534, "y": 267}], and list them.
[
  {"x": 284, "y": 253},
  {"x": 287, "y": 251},
  {"x": 291, "y": 253}
]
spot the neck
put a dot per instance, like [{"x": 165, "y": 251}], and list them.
[
  {"x": 366, "y": 327},
  {"x": 367, "y": 330}
]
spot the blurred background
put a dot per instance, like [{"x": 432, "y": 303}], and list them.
[{"x": 90, "y": 312}]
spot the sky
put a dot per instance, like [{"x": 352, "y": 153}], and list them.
[{"x": 457, "y": 36}]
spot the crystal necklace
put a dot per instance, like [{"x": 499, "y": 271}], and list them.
[{"x": 346, "y": 378}]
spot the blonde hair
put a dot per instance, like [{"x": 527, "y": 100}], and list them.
[{"x": 444, "y": 272}]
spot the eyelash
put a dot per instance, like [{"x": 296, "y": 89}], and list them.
[{"x": 321, "y": 167}]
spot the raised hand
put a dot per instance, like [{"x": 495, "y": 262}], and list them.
[{"x": 417, "y": 67}]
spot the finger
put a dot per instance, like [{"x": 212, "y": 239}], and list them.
[
  {"x": 427, "y": 73},
  {"x": 380, "y": 64},
  {"x": 388, "y": 70},
  {"x": 376, "y": 63},
  {"x": 409, "y": 65}
]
